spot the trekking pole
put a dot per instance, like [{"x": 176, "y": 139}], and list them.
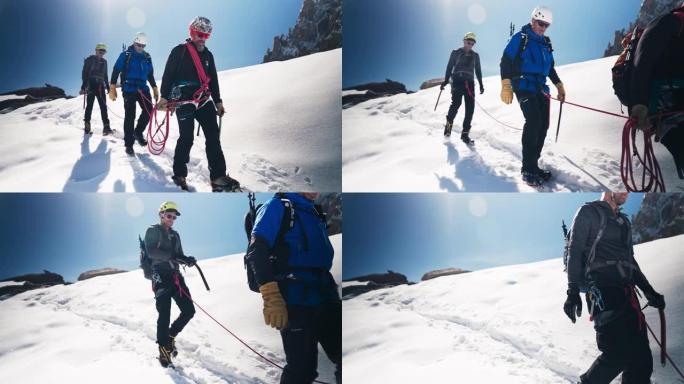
[
  {"x": 438, "y": 96},
  {"x": 560, "y": 113},
  {"x": 84, "y": 99},
  {"x": 220, "y": 124},
  {"x": 202, "y": 275}
]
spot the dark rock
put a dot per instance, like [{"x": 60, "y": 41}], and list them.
[
  {"x": 30, "y": 282},
  {"x": 373, "y": 91},
  {"x": 99, "y": 272},
  {"x": 33, "y": 95},
  {"x": 318, "y": 29},
  {"x": 661, "y": 215},
  {"x": 432, "y": 83},
  {"x": 390, "y": 277},
  {"x": 443, "y": 272}
]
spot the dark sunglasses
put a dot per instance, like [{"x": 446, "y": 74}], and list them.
[
  {"x": 170, "y": 217},
  {"x": 139, "y": 45},
  {"x": 542, "y": 24},
  {"x": 470, "y": 42},
  {"x": 102, "y": 51}
]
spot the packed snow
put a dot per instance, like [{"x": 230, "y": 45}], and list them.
[
  {"x": 396, "y": 143},
  {"x": 281, "y": 131},
  {"x": 104, "y": 330},
  {"x": 499, "y": 325}
]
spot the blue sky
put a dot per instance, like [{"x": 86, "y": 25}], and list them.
[
  {"x": 71, "y": 233},
  {"x": 410, "y": 41},
  {"x": 46, "y": 41},
  {"x": 416, "y": 233}
]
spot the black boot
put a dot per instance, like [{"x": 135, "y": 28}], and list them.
[
  {"x": 447, "y": 129},
  {"x": 174, "y": 351},
  {"x": 140, "y": 139},
  {"x": 532, "y": 179},
  {"x": 225, "y": 184},
  {"x": 130, "y": 151},
  {"x": 544, "y": 174},
  {"x": 180, "y": 181},
  {"x": 87, "y": 128},
  {"x": 465, "y": 137},
  {"x": 106, "y": 130},
  {"x": 165, "y": 357}
]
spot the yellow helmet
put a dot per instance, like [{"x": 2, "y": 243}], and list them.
[
  {"x": 470, "y": 36},
  {"x": 169, "y": 206},
  {"x": 101, "y": 46}
]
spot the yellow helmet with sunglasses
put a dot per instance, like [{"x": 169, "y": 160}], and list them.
[
  {"x": 169, "y": 206},
  {"x": 470, "y": 36}
]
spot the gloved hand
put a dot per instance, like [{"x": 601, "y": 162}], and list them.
[
  {"x": 220, "y": 110},
  {"x": 640, "y": 113},
  {"x": 655, "y": 299},
  {"x": 275, "y": 309},
  {"x": 481, "y": 89},
  {"x": 561, "y": 91},
  {"x": 112, "y": 92},
  {"x": 162, "y": 104},
  {"x": 441, "y": 87},
  {"x": 506, "y": 91},
  {"x": 573, "y": 304},
  {"x": 189, "y": 261},
  {"x": 155, "y": 91}
]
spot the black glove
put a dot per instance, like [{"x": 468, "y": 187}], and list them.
[
  {"x": 573, "y": 304},
  {"x": 481, "y": 89},
  {"x": 188, "y": 260},
  {"x": 441, "y": 87},
  {"x": 655, "y": 299}
]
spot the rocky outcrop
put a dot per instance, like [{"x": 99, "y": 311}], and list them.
[
  {"x": 432, "y": 83},
  {"x": 649, "y": 11},
  {"x": 32, "y": 95},
  {"x": 442, "y": 272},
  {"x": 661, "y": 215},
  {"x": 98, "y": 272},
  {"x": 364, "y": 92},
  {"x": 318, "y": 29},
  {"x": 373, "y": 282},
  {"x": 332, "y": 207},
  {"x": 30, "y": 282}
]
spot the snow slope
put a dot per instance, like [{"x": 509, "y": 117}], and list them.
[
  {"x": 104, "y": 330},
  {"x": 281, "y": 131},
  {"x": 500, "y": 325},
  {"x": 397, "y": 144}
]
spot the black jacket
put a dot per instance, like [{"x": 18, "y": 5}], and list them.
[
  {"x": 461, "y": 66},
  {"x": 180, "y": 70},
  {"x": 615, "y": 245},
  {"x": 163, "y": 248},
  {"x": 659, "y": 55},
  {"x": 94, "y": 69}
]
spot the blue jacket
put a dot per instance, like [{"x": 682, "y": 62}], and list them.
[
  {"x": 136, "y": 74},
  {"x": 535, "y": 65},
  {"x": 304, "y": 278}
]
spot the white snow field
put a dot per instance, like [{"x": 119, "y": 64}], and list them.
[
  {"x": 104, "y": 330},
  {"x": 281, "y": 131},
  {"x": 397, "y": 144},
  {"x": 499, "y": 325}
]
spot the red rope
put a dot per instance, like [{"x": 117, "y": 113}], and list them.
[
  {"x": 663, "y": 352},
  {"x": 183, "y": 292}
]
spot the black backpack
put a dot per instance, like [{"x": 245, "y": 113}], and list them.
[
  {"x": 287, "y": 223},
  {"x": 145, "y": 262},
  {"x": 623, "y": 67},
  {"x": 603, "y": 220}
]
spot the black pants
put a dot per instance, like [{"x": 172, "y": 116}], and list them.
[
  {"x": 307, "y": 327},
  {"x": 163, "y": 284},
  {"x": 458, "y": 92},
  {"x": 535, "y": 108},
  {"x": 206, "y": 116},
  {"x": 96, "y": 90},
  {"x": 130, "y": 100},
  {"x": 623, "y": 343},
  {"x": 674, "y": 142}
]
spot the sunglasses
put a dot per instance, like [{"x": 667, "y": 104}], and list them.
[
  {"x": 542, "y": 24},
  {"x": 200, "y": 35},
  {"x": 139, "y": 45},
  {"x": 102, "y": 51},
  {"x": 170, "y": 217},
  {"x": 470, "y": 42}
]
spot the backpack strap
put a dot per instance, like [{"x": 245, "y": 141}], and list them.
[
  {"x": 521, "y": 48},
  {"x": 603, "y": 220},
  {"x": 547, "y": 41}
]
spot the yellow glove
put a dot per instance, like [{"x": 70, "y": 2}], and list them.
[
  {"x": 162, "y": 103},
  {"x": 275, "y": 309},
  {"x": 506, "y": 91},
  {"x": 561, "y": 91},
  {"x": 155, "y": 91},
  {"x": 220, "y": 110},
  {"x": 112, "y": 92}
]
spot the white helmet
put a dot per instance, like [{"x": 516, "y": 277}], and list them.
[
  {"x": 542, "y": 14},
  {"x": 140, "y": 38}
]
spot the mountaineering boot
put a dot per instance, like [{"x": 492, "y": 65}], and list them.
[
  {"x": 225, "y": 184},
  {"x": 174, "y": 351},
  {"x": 465, "y": 137},
  {"x": 129, "y": 151},
  {"x": 532, "y": 179},
  {"x": 106, "y": 130},
  {"x": 140, "y": 139},
  {"x": 165, "y": 357},
  {"x": 544, "y": 174},
  {"x": 87, "y": 128},
  {"x": 180, "y": 181},
  {"x": 447, "y": 129}
]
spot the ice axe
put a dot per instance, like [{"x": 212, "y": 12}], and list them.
[
  {"x": 438, "y": 96},
  {"x": 560, "y": 113}
]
